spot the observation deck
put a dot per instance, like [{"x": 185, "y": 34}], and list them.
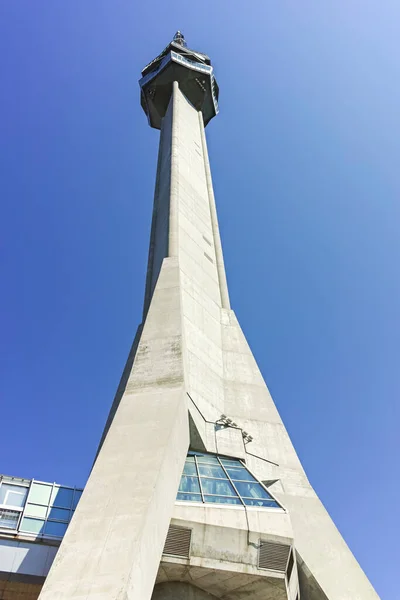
[{"x": 193, "y": 72}]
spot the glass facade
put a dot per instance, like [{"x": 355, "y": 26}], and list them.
[
  {"x": 215, "y": 479},
  {"x": 40, "y": 509},
  {"x": 36, "y": 508}
]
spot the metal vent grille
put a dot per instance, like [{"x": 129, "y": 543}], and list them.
[
  {"x": 9, "y": 518},
  {"x": 273, "y": 556},
  {"x": 178, "y": 541}
]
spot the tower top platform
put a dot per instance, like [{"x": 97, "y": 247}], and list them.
[{"x": 193, "y": 72}]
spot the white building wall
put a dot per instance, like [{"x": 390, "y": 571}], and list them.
[{"x": 26, "y": 558}]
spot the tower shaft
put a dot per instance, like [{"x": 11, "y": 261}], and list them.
[{"x": 114, "y": 543}]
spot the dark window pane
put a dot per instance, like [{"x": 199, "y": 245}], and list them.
[
  {"x": 251, "y": 490},
  {"x": 77, "y": 497},
  {"x": 260, "y": 502},
  {"x": 218, "y": 487},
  {"x": 55, "y": 529},
  {"x": 222, "y": 500},
  {"x": 62, "y": 497},
  {"x": 211, "y": 471},
  {"x": 59, "y": 514},
  {"x": 189, "y": 484},
  {"x": 239, "y": 473},
  {"x": 189, "y": 468},
  {"x": 290, "y": 566},
  {"x": 189, "y": 497}
]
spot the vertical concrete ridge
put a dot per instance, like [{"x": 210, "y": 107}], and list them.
[
  {"x": 223, "y": 284},
  {"x": 152, "y": 243},
  {"x": 174, "y": 177}
]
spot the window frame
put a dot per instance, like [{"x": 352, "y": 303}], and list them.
[
  {"x": 46, "y": 506},
  {"x": 11, "y": 507},
  {"x": 196, "y": 459}
]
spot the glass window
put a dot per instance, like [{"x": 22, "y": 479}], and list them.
[
  {"x": 204, "y": 458},
  {"x": 189, "y": 497},
  {"x": 77, "y": 497},
  {"x": 260, "y": 502},
  {"x": 239, "y": 473},
  {"x": 55, "y": 529},
  {"x": 36, "y": 510},
  {"x": 32, "y": 525},
  {"x": 13, "y": 495},
  {"x": 9, "y": 518},
  {"x": 59, "y": 514},
  {"x": 189, "y": 468},
  {"x": 40, "y": 493},
  {"x": 223, "y": 500},
  {"x": 61, "y": 496},
  {"x": 206, "y": 470},
  {"x": 251, "y": 490},
  {"x": 230, "y": 462},
  {"x": 217, "y": 487},
  {"x": 189, "y": 484},
  {"x": 222, "y": 481}
]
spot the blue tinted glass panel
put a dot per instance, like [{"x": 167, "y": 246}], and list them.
[
  {"x": 189, "y": 484},
  {"x": 204, "y": 458},
  {"x": 231, "y": 462},
  {"x": 240, "y": 473},
  {"x": 217, "y": 487},
  {"x": 40, "y": 493},
  {"x": 59, "y": 514},
  {"x": 260, "y": 502},
  {"x": 222, "y": 500},
  {"x": 251, "y": 490},
  {"x": 55, "y": 529},
  {"x": 62, "y": 497},
  {"x": 211, "y": 479},
  {"x": 211, "y": 471},
  {"x": 77, "y": 497},
  {"x": 189, "y": 497},
  {"x": 32, "y": 525},
  {"x": 189, "y": 468}
]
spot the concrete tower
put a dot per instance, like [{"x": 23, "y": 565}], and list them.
[{"x": 197, "y": 492}]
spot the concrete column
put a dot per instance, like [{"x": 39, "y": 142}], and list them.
[
  {"x": 225, "y": 303},
  {"x": 150, "y": 261},
  {"x": 174, "y": 207}
]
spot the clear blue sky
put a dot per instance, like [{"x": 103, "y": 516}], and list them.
[{"x": 305, "y": 158}]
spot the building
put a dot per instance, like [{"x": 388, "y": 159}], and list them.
[
  {"x": 34, "y": 515},
  {"x": 196, "y": 492}
]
